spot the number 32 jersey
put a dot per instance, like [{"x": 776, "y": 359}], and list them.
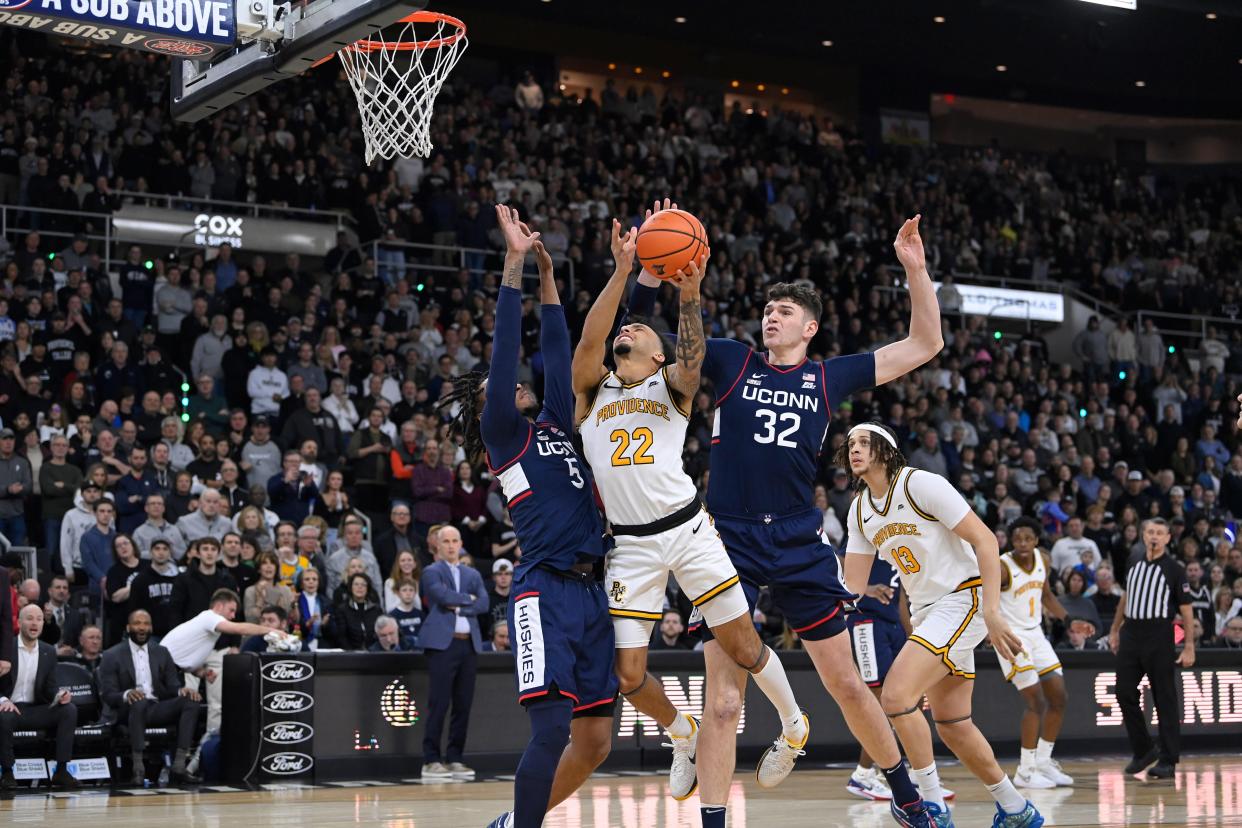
[
  {"x": 911, "y": 527},
  {"x": 770, "y": 426}
]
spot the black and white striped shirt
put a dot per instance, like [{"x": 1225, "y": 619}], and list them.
[{"x": 1155, "y": 589}]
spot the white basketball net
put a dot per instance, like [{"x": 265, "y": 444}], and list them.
[{"x": 396, "y": 80}]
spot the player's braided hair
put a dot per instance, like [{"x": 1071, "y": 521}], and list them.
[
  {"x": 892, "y": 458},
  {"x": 467, "y": 390}
]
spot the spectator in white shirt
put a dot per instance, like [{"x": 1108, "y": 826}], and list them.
[{"x": 1067, "y": 552}]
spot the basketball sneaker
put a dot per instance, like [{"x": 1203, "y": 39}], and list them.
[
  {"x": 940, "y": 817},
  {"x": 778, "y": 760},
  {"x": 1052, "y": 770},
  {"x": 1032, "y": 777},
  {"x": 1028, "y": 817},
  {"x": 682, "y": 778},
  {"x": 505, "y": 820},
  {"x": 869, "y": 784},
  {"x": 915, "y": 815}
]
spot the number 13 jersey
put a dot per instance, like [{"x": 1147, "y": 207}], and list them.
[
  {"x": 911, "y": 527},
  {"x": 633, "y": 437}
]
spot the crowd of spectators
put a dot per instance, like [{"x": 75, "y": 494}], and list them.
[{"x": 219, "y": 420}]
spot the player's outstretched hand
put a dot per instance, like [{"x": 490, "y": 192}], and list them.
[
  {"x": 543, "y": 259},
  {"x": 668, "y": 204},
  {"x": 624, "y": 246},
  {"x": 1006, "y": 644},
  {"x": 518, "y": 237},
  {"x": 691, "y": 277},
  {"x": 909, "y": 245}
]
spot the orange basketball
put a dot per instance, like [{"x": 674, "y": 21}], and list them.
[{"x": 669, "y": 241}]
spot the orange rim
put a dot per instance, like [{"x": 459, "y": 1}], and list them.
[{"x": 368, "y": 45}]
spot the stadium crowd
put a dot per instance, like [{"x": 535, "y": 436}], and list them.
[{"x": 219, "y": 420}]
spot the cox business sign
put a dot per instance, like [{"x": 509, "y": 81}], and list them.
[
  {"x": 174, "y": 228},
  {"x": 1007, "y": 303}
]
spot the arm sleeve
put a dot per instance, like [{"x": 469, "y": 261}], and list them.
[
  {"x": 845, "y": 375},
  {"x": 642, "y": 300},
  {"x": 937, "y": 497},
  {"x": 857, "y": 543},
  {"x": 503, "y": 427},
  {"x": 557, "y": 367}
]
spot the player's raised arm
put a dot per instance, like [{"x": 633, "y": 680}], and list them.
[
  {"x": 500, "y": 414},
  {"x": 643, "y": 296},
  {"x": 924, "y": 340},
  {"x": 684, "y": 374},
  {"x": 588, "y": 364},
  {"x": 554, "y": 344}
]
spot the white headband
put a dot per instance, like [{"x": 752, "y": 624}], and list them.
[{"x": 874, "y": 429}]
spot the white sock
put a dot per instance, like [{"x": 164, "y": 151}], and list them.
[
  {"x": 860, "y": 771},
  {"x": 681, "y": 726},
  {"x": 1007, "y": 796},
  {"x": 1043, "y": 752},
  {"x": 928, "y": 780},
  {"x": 775, "y": 685},
  {"x": 1028, "y": 758}
]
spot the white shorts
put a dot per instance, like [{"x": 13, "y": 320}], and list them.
[
  {"x": 951, "y": 627},
  {"x": 637, "y": 573},
  {"x": 1030, "y": 667}
]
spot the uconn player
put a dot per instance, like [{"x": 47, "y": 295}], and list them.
[
  {"x": 1035, "y": 672},
  {"x": 949, "y": 564},
  {"x": 558, "y": 613},
  {"x": 633, "y": 423},
  {"x": 772, "y": 411}
]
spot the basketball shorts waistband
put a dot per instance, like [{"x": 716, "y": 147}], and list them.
[{"x": 683, "y": 515}]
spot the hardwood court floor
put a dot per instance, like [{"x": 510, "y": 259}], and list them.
[{"x": 1207, "y": 791}]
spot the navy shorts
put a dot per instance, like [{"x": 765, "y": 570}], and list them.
[
  {"x": 791, "y": 557},
  {"x": 561, "y": 636},
  {"x": 876, "y": 641}
]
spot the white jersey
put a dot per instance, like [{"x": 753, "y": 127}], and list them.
[
  {"x": 1022, "y": 603},
  {"x": 913, "y": 529},
  {"x": 633, "y": 437}
]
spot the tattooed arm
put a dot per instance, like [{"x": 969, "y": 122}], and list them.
[{"x": 684, "y": 373}]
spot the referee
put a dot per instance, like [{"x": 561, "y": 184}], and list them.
[{"x": 1142, "y": 637}]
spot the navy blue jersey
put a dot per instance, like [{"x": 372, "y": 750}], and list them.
[
  {"x": 548, "y": 487},
  {"x": 771, "y": 422},
  {"x": 882, "y": 572}
]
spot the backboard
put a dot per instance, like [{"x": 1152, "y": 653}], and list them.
[{"x": 221, "y": 50}]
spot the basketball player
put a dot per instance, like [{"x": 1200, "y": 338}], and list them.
[
  {"x": 772, "y": 412},
  {"x": 1036, "y": 671},
  {"x": 558, "y": 613},
  {"x": 949, "y": 564},
  {"x": 633, "y": 425}
]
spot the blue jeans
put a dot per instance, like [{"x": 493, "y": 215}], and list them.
[
  {"x": 135, "y": 315},
  {"x": 14, "y": 528},
  {"x": 51, "y": 540}
]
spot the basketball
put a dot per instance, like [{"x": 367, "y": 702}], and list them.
[{"x": 669, "y": 241}]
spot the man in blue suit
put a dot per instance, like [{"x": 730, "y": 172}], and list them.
[{"x": 453, "y": 597}]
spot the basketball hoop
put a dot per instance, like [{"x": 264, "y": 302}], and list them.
[{"x": 396, "y": 81}]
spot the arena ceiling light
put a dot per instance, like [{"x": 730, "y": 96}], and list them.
[
  {"x": 1140, "y": 84},
  {"x": 1118, "y": 4},
  {"x": 1000, "y": 67},
  {"x": 679, "y": 19},
  {"x": 938, "y": 18}
]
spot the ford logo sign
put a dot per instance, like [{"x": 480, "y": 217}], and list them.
[
  {"x": 287, "y": 701},
  {"x": 286, "y": 672},
  {"x": 287, "y": 764},
  {"x": 287, "y": 733}
]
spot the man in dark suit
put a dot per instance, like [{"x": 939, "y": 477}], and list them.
[
  {"x": 32, "y": 698},
  {"x": 454, "y": 597},
  {"x": 141, "y": 686},
  {"x": 62, "y": 623}
]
